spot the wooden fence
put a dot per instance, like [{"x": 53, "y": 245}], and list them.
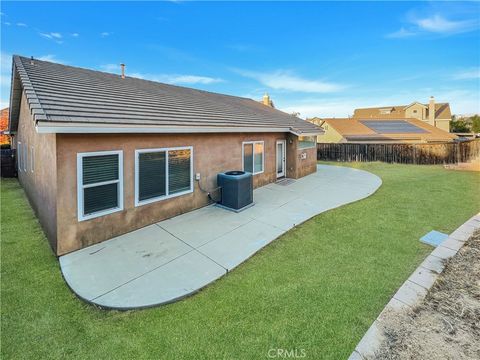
[
  {"x": 442, "y": 153},
  {"x": 7, "y": 163}
]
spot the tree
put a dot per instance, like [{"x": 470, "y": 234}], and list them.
[
  {"x": 459, "y": 126},
  {"x": 475, "y": 123}
]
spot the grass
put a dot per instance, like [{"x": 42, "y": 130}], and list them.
[{"x": 317, "y": 288}]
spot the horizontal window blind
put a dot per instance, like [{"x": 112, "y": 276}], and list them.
[
  {"x": 100, "y": 168},
  {"x": 99, "y": 198},
  {"x": 100, "y": 182},
  {"x": 151, "y": 176},
  {"x": 179, "y": 175}
]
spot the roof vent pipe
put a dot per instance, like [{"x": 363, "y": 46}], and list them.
[
  {"x": 123, "y": 70},
  {"x": 31, "y": 60}
]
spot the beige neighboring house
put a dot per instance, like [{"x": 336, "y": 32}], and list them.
[
  {"x": 351, "y": 130},
  {"x": 434, "y": 114}
]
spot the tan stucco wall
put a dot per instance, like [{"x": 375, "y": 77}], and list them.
[
  {"x": 39, "y": 184},
  {"x": 443, "y": 124},
  {"x": 330, "y": 135},
  {"x": 213, "y": 153},
  {"x": 298, "y": 165},
  {"x": 420, "y": 114}
]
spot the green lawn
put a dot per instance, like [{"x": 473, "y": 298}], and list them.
[{"x": 317, "y": 288}]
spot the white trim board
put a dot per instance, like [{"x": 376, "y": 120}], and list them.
[{"x": 47, "y": 127}]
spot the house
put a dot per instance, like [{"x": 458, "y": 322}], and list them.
[
  {"x": 386, "y": 130},
  {"x": 434, "y": 114},
  {"x": 100, "y": 155}
]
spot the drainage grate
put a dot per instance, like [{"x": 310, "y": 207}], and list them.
[{"x": 285, "y": 181}]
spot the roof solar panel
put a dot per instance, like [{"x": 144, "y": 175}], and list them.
[{"x": 393, "y": 127}]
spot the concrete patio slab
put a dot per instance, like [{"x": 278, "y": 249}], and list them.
[
  {"x": 174, "y": 258},
  {"x": 113, "y": 263},
  {"x": 198, "y": 230},
  {"x": 162, "y": 284},
  {"x": 231, "y": 249}
]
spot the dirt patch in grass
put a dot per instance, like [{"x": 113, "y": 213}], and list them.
[{"x": 447, "y": 324}]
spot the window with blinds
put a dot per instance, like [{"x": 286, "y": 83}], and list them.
[
  {"x": 253, "y": 156},
  {"x": 162, "y": 173},
  {"x": 100, "y": 183}
]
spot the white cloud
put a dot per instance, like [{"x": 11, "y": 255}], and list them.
[
  {"x": 51, "y": 35},
  {"x": 400, "y": 34},
  {"x": 111, "y": 68},
  {"x": 462, "y": 101},
  {"x": 435, "y": 23},
  {"x": 7, "y": 23},
  {"x": 21, "y": 24},
  {"x": 286, "y": 80},
  {"x": 178, "y": 79},
  {"x": 439, "y": 24},
  {"x": 75, "y": 34},
  {"x": 467, "y": 74},
  {"x": 105, "y": 34},
  {"x": 175, "y": 79},
  {"x": 51, "y": 58}
]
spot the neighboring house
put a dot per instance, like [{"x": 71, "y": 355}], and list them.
[
  {"x": 4, "y": 139},
  {"x": 434, "y": 114},
  {"x": 353, "y": 130},
  {"x": 100, "y": 154}
]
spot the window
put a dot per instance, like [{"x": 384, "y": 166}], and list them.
[
  {"x": 162, "y": 173},
  {"x": 253, "y": 156},
  {"x": 25, "y": 158},
  {"x": 414, "y": 111},
  {"x": 305, "y": 142},
  {"x": 19, "y": 156},
  {"x": 32, "y": 159},
  {"x": 100, "y": 183}
]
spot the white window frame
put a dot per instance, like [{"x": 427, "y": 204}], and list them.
[
  {"x": 25, "y": 156},
  {"x": 253, "y": 156},
  {"x": 19, "y": 156},
  {"x": 80, "y": 186},
  {"x": 167, "y": 195},
  {"x": 32, "y": 159}
]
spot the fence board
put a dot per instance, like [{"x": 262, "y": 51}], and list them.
[{"x": 439, "y": 153}]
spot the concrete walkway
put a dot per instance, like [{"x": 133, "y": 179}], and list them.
[{"x": 169, "y": 260}]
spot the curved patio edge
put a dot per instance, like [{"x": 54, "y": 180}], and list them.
[{"x": 173, "y": 259}]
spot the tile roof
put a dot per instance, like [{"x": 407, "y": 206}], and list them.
[
  {"x": 357, "y": 129},
  {"x": 66, "y": 95}
]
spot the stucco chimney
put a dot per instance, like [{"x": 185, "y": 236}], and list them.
[
  {"x": 123, "y": 70},
  {"x": 266, "y": 100},
  {"x": 431, "y": 111}
]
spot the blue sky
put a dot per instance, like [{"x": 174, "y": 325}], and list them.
[{"x": 316, "y": 58}]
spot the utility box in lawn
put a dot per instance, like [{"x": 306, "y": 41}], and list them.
[{"x": 236, "y": 190}]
